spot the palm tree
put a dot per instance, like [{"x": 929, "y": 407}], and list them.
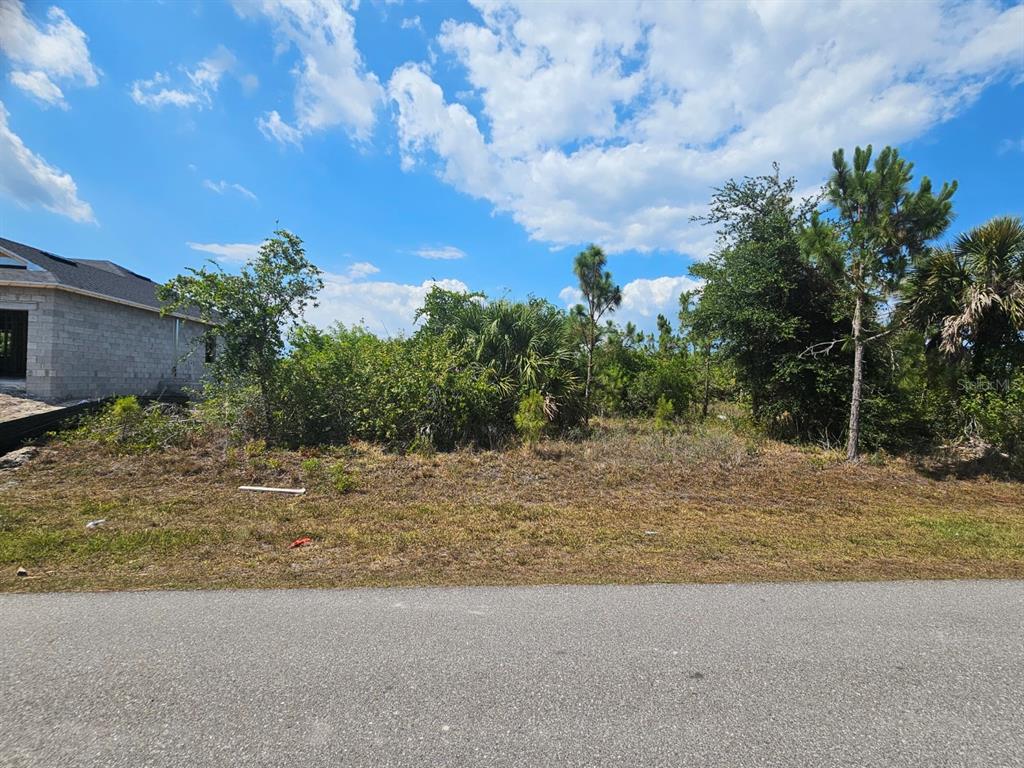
[
  {"x": 527, "y": 346},
  {"x": 970, "y": 298}
]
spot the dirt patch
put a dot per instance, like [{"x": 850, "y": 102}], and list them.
[{"x": 17, "y": 406}]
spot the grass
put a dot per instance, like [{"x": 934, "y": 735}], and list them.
[{"x": 631, "y": 504}]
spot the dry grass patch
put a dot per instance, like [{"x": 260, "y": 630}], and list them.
[{"x": 628, "y": 505}]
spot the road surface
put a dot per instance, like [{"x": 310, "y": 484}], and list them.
[{"x": 904, "y": 674}]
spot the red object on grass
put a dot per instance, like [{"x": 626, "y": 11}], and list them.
[{"x": 301, "y": 542}]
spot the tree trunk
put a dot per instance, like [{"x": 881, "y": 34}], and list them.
[
  {"x": 707, "y": 384},
  {"x": 586, "y": 387},
  {"x": 858, "y": 379}
]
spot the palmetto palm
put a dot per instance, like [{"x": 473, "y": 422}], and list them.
[
  {"x": 527, "y": 346},
  {"x": 970, "y": 297}
]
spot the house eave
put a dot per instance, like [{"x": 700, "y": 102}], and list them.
[{"x": 29, "y": 285}]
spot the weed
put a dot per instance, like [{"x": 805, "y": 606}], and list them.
[{"x": 342, "y": 480}]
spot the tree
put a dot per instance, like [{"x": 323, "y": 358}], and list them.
[
  {"x": 249, "y": 311},
  {"x": 762, "y": 304},
  {"x": 879, "y": 226},
  {"x": 702, "y": 344},
  {"x": 969, "y": 298},
  {"x": 602, "y": 295},
  {"x": 666, "y": 339}
]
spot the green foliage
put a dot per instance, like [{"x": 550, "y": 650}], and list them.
[
  {"x": 632, "y": 373},
  {"x": 250, "y": 311},
  {"x": 342, "y": 480},
  {"x": 994, "y": 412},
  {"x": 792, "y": 305},
  {"x": 664, "y": 414},
  {"x": 762, "y": 305},
  {"x": 349, "y": 384},
  {"x": 523, "y": 346},
  {"x": 969, "y": 299},
  {"x": 530, "y": 418},
  {"x": 602, "y": 296},
  {"x": 126, "y": 426},
  {"x": 879, "y": 226}
]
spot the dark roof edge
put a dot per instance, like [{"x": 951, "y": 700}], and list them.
[{"x": 102, "y": 297}]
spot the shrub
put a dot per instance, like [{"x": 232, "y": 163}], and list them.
[
  {"x": 342, "y": 480},
  {"x": 530, "y": 417},
  {"x": 349, "y": 384},
  {"x": 664, "y": 414},
  {"x": 125, "y": 425},
  {"x": 995, "y": 413}
]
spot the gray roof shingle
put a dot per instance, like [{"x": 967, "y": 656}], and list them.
[{"x": 93, "y": 275}]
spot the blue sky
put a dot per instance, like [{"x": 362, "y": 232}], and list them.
[{"x": 477, "y": 145}]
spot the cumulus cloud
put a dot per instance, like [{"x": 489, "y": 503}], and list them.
[
  {"x": 228, "y": 253},
  {"x": 334, "y": 87},
  {"x": 440, "y": 252},
  {"x": 610, "y": 122},
  {"x": 385, "y": 308},
  {"x": 571, "y": 296},
  {"x": 220, "y": 187},
  {"x": 28, "y": 180},
  {"x": 194, "y": 87},
  {"x": 361, "y": 269},
  {"x": 41, "y": 55},
  {"x": 646, "y": 298},
  {"x": 643, "y": 299}
]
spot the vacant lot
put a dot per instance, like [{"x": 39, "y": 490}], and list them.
[{"x": 628, "y": 505}]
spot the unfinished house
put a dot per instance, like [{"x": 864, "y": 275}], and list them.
[{"x": 84, "y": 328}]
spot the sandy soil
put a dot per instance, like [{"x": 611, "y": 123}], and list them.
[{"x": 14, "y": 407}]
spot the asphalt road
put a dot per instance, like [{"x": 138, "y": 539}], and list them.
[{"x": 922, "y": 674}]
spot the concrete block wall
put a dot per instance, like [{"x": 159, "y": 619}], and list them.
[
  {"x": 81, "y": 347},
  {"x": 39, "y": 305}
]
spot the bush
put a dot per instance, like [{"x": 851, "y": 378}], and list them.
[
  {"x": 342, "y": 480},
  {"x": 127, "y": 426},
  {"x": 664, "y": 414},
  {"x": 530, "y": 417},
  {"x": 402, "y": 393},
  {"x": 995, "y": 414},
  {"x": 631, "y": 381}
]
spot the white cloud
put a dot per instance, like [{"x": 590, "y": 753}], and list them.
[
  {"x": 610, "y": 122},
  {"x": 648, "y": 298},
  {"x": 197, "y": 86},
  {"x": 229, "y": 253},
  {"x": 208, "y": 73},
  {"x": 440, "y": 252},
  {"x": 1011, "y": 145},
  {"x": 334, "y": 87},
  {"x": 385, "y": 308},
  {"x": 571, "y": 296},
  {"x": 273, "y": 127},
  {"x": 643, "y": 299},
  {"x": 58, "y": 51},
  {"x": 361, "y": 269},
  {"x": 250, "y": 83},
  {"x": 155, "y": 94},
  {"x": 220, "y": 187},
  {"x": 39, "y": 85},
  {"x": 412, "y": 22},
  {"x": 30, "y": 181}
]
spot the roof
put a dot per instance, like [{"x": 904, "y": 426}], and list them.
[{"x": 104, "y": 279}]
